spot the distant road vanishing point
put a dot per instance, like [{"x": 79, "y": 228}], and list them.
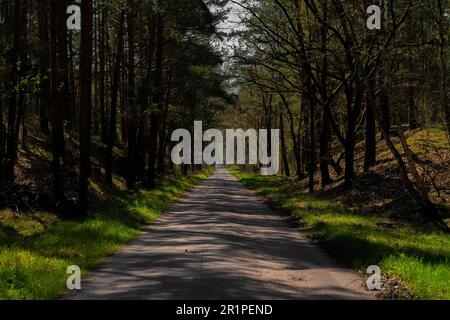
[{"x": 221, "y": 242}]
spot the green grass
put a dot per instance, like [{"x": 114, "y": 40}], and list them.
[
  {"x": 36, "y": 249},
  {"x": 418, "y": 256}
]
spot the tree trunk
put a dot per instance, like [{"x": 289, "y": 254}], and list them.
[
  {"x": 112, "y": 134},
  {"x": 123, "y": 104},
  {"x": 325, "y": 135},
  {"x": 294, "y": 138},
  {"x": 85, "y": 102},
  {"x": 385, "y": 116},
  {"x": 157, "y": 100},
  {"x": 57, "y": 94},
  {"x": 131, "y": 168},
  {"x": 2, "y": 145},
  {"x": 72, "y": 83},
  {"x": 286, "y": 169},
  {"x": 312, "y": 145},
  {"x": 102, "y": 75},
  {"x": 443, "y": 58},
  {"x": 44, "y": 65},
  {"x": 412, "y": 119},
  {"x": 143, "y": 136},
  {"x": 325, "y": 154},
  {"x": 24, "y": 67},
  {"x": 163, "y": 132},
  {"x": 349, "y": 172},
  {"x": 11, "y": 142},
  {"x": 141, "y": 146},
  {"x": 3, "y": 86},
  {"x": 63, "y": 61},
  {"x": 370, "y": 130},
  {"x": 95, "y": 117}
]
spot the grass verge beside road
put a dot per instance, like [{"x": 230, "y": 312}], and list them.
[
  {"x": 416, "y": 258},
  {"x": 36, "y": 248}
]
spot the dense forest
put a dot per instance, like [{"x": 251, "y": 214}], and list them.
[
  {"x": 337, "y": 89},
  {"x": 102, "y": 100}
]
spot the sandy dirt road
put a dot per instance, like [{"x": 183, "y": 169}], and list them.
[{"x": 221, "y": 242}]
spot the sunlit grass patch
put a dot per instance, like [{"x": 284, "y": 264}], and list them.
[
  {"x": 27, "y": 275},
  {"x": 430, "y": 281},
  {"x": 428, "y": 140},
  {"x": 24, "y": 224}
]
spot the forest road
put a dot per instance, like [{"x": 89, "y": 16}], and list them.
[{"x": 221, "y": 242}]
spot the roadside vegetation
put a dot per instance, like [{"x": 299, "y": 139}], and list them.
[
  {"x": 414, "y": 254},
  {"x": 37, "y": 248}
]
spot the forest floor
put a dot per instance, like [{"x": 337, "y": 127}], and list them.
[{"x": 376, "y": 223}]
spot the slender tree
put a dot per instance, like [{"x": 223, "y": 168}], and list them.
[
  {"x": 157, "y": 102},
  {"x": 114, "y": 97},
  {"x": 11, "y": 142},
  {"x": 132, "y": 114},
  {"x": 57, "y": 92},
  {"x": 443, "y": 27},
  {"x": 85, "y": 102},
  {"x": 44, "y": 65}
]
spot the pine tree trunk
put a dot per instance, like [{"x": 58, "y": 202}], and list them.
[
  {"x": 112, "y": 134},
  {"x": 132, "y": 129},
  {"x": 443, "y": 59},
  {"x": 21, "y": 102},
  {"x": 312, "y": 145},
  {"x": 4, "y": 9},
  {"x": 57, "y": 93},
  {"x": 123, "y": 105},
  {"x": 85, "y": 102},
  {"x": 95, "y": 107},
  {"x": 63, "y": 60},
  {"x": 102, "y": 75},
  {"x": 44, "y": 65},
  {"x": 157, "y": 100},
  {"x": 2, "y": 145},
  {"x": 163, "y": 132},
  {"x": 11, "y": 142}
]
